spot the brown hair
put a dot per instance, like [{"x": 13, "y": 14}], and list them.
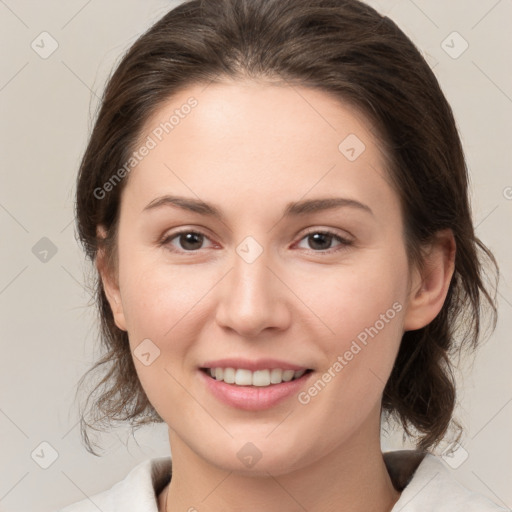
[{"x": 344, "y": 48}]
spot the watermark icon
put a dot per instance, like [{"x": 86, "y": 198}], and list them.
[
  {"x": 151, "y": 142},
  {"x": 454, "y": 45},
  {"x": 249, "y": 249},
  {"x": 455, "y": 455},
  {"x": 249, "y": 454},
  {"x": 146, "y": 352},
  {"x": 507, "y": 193},
  {"x": 356, "y": 346},
  {"x": 44, "y": 250},
  {"x": 44, "y": 45},
  {"x": 351, "y": 147},
  {"x": 44, "y": 455}
]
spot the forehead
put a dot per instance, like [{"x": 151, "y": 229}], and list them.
[
  {"x": 253, "y": 111},
  {"x": 256, "y": 138}
]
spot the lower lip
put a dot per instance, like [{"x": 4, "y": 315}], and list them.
[{"x": 253, "y": 398}]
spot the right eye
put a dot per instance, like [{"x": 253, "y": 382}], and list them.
[{"x": 190, "y": 241}]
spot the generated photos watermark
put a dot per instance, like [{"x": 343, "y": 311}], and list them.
[
  {"x": 151, "y": 142},
  {"x": 356, "y": 346}
]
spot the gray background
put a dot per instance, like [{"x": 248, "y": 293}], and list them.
[{"x": 48, "y": 335}]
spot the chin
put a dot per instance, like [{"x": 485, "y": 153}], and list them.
[{"x": 259, "y": 457}]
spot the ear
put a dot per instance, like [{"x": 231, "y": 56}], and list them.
[
  {"x": 110, "y": 283},
  {"x": 429, "y": 286}
]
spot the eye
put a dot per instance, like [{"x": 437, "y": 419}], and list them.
[
  {"x": 319, "y": 241},
  {"x": 189, "y": 241}
]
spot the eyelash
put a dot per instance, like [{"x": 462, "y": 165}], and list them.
[{"x": 344, "y": 243}]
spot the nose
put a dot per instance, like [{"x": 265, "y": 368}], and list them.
[{"x": 253, "y": 298}]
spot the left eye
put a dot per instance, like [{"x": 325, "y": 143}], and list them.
[
  {"x": 319, "y": 241},
  {"x": 324, "y": 238}
]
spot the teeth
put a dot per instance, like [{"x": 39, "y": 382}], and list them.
[{"x": 262, "y": 378}]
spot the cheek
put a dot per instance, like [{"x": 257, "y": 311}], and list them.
[
  {"x": 162, "y": 302},
  {"x": 353, "y": 298},
  {"x": 362, "y": 311}
]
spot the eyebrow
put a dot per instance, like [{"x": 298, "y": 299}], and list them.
[{"x": 293, "y": 209}]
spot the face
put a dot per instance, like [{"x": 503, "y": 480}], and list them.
[{"x": 306, "y": 286}]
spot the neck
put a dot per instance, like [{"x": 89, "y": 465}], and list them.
[{"x": 351, "y": 477}]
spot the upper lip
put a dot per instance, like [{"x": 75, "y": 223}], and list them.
[{"x": 260, "y": 364}]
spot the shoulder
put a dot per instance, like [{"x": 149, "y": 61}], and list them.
[
  {"x": 432, "y": 486},
  {"x": 137, "y": 491}
]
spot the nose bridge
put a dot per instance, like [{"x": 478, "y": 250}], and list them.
[
  {"x": 251, "y": 274},
  {"x": 251, "y": 301},
  {"x": 251, "y": 278}
]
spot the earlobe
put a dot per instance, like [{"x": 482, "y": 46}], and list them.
[
  {"x": 110, "y": 284},
  {"x": 430, "y": 285}
]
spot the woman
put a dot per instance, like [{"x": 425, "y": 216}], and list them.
[{"x": 275, "y": 198}]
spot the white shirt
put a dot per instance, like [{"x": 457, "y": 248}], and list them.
[{"x": 432, "y": 487}]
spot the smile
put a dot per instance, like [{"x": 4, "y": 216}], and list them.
[
  {"x": 260, "y": 378},
  {"x": 261, "y": 393}
]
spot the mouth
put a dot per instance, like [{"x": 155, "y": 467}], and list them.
[
  {"x": 258, "y": 378},
  {"x": 258, "y": 390}
]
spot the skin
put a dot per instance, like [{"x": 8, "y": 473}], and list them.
[{"x": 250, "y": 148}]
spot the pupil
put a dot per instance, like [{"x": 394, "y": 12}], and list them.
[
  {"x": 319, "y": 237},
  {"x": 188, "y": 239}
]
